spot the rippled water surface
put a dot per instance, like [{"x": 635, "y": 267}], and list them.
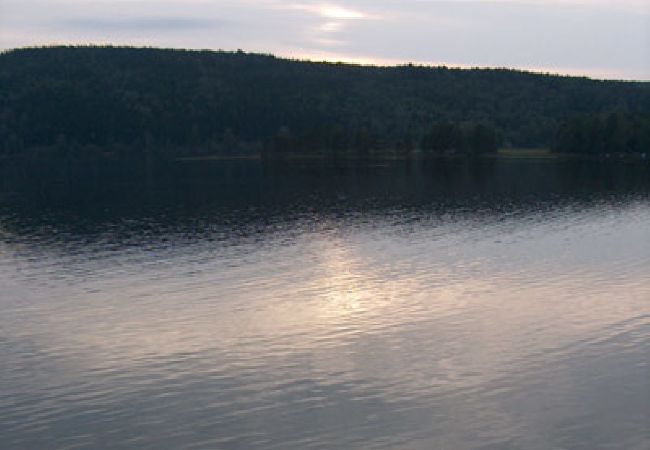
[{"x": 496, "y": 305}]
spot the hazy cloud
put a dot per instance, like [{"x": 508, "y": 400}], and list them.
[
  {"x": 143, "y": 23},
  {"x": 329, "y": 11}
]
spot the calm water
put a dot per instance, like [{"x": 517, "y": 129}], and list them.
[{"x": 496, "y": 305}]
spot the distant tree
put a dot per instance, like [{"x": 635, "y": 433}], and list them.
[
  {"x": 594, "y": 134},
  {"x": 363, "y": 141},
  {"x": 482, "y": 139},
  {"x": 442, "y": 138},
  {"x": 229, "y": 142},
  {"x": 284, "y": 141},
  {"x": 614, "y": 133}
]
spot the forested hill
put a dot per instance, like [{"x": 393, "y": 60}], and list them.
[{"x": 129, "y": 100}]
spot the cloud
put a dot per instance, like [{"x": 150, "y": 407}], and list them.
[
  {"x": 329, "y": 11},
  {"x": 331, "y": 27},
  {"x": 141, "y": 23},
  {"x": 321, "y": 21}
]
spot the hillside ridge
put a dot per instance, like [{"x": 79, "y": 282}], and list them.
[{"x": 192, "y": 102}]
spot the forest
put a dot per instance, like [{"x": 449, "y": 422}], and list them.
[{"x": 69, "y": 101}]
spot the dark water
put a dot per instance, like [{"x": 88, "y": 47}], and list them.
[{"x": 494, "y": 305}]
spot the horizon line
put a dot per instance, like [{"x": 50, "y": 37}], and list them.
[{"x": 346, "y": 60}]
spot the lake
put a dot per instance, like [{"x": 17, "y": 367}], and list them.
[{"x": 495, "y": 304}]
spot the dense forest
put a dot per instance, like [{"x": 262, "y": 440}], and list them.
[{"x": 89, "y": 100}]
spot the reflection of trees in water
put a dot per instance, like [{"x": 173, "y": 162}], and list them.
[{"x": 251, "y": 195}]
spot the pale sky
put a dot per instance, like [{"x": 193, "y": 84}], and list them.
[{"x": 598, "y": 38}]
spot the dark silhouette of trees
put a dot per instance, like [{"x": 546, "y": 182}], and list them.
[
  {"x": 78, "y": 100},
  {"x": 613, "y": 133},
  {"x": 447, "y": 138}
]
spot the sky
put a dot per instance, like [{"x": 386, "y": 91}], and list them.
[{"x": 598, "y": 38}]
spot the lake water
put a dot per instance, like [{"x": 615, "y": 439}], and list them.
[{"x": 235, "y": 305}]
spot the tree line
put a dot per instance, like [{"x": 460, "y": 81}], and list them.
[{"x": 128, "y": 101}]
